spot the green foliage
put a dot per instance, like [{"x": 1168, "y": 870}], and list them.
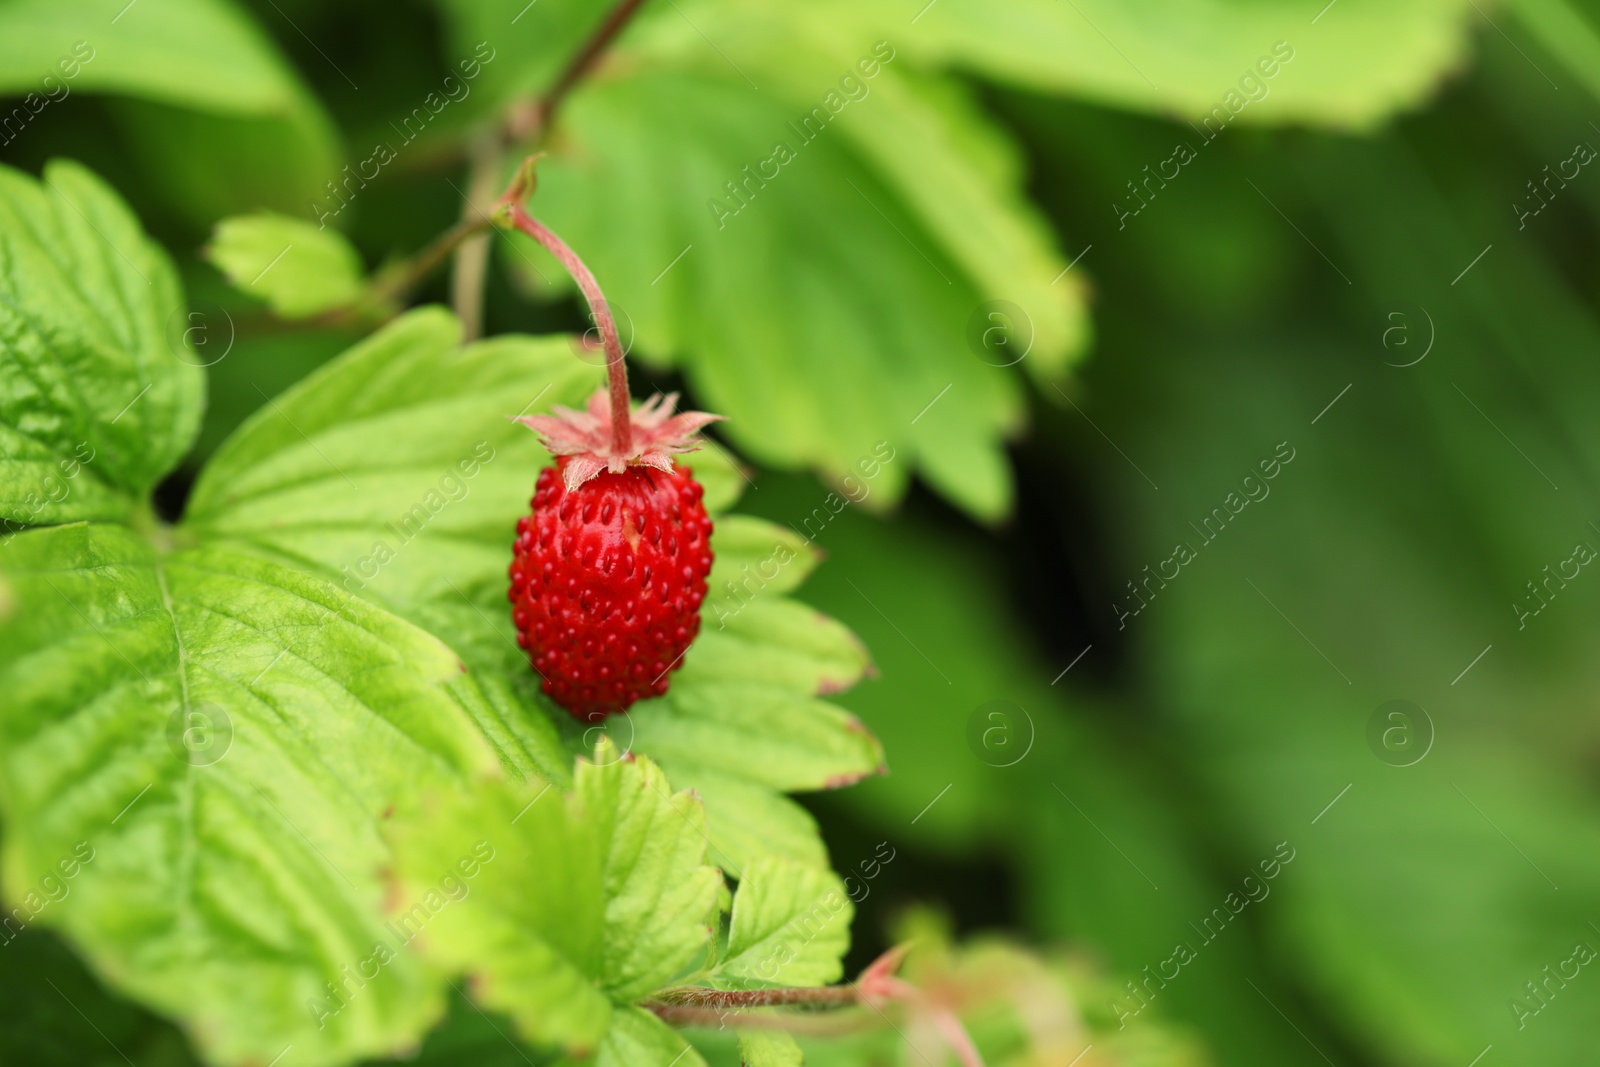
[
  {"x": 279, "y": 787},
  {"x": 856, "y": 351},
  {"x": 320, "y": 270},
  {"x": 1100, "y": 814},
  {"x": 672, "y": 182},
  {"x": 201, "y": 54},
  {"x": 204, "y": 751},
  {"x": 394, "y": 469},
  {"x": 791, "y": 924},
  {"x": 98, "y": 394},
  {"x": 765, "y": 1048},
  {"x": 617, "y": 905},
  {"x": 1352, "y": 66},
  {"x": 1480, "y": 832},
  {"x": 658, "y": 893},
  {"x": 222, "y": 713},
  {"x": 582, "y": 905},
  {"x": 212, "y": 108}
]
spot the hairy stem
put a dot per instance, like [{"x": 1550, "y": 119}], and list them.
[
  {"x": 759, "y": 998},
  {"x": 616, "y": 369}
]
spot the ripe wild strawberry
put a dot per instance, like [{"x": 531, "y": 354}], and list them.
[{"x": 608, "y": 572}]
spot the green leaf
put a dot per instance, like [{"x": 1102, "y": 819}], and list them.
[
  {"x": 657, "y": 890},
  {"x": 205, "y": 54},
  {"x": 530, "y": 926},
  {"x": 396, "y": 471},
  {"x": 1351, "y": 65},
  {"x": 750, "y": 819},
  {"x": 925, "y": 137},
  {"x": 208, "y": 166},
  {"x": 865, "y": 371},
  {"x": 778, "y": 642},
  {"x": 217, "y": 117},
  {"x": 221, "y": 736},
  {"x": 755, "y": 556},
  {"x": 406, "y": 442},
  {"x": 867, "y": 350},
  {"x": 742, "y": 720},
  {"x": 636, "y": 1038},
  {"x": 769, "y": 1048},
  {"x": 357, "y": 472},
  {"x": 760, "y": 734},
  {"x": 585, "y": 904},
  {"x": 297, "y": 268},
  {"x": 100, "y": 394},
  {"x": 790, "y": 926},
  {"x": 526, "y": 744}
]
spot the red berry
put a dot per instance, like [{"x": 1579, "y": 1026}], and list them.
[{"x": 609, "y": 571}]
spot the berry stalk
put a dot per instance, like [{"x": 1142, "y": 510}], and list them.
[{"x": 616, "y": 369}]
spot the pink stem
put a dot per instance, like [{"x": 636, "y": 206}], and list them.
[{"x": 616, "y": 369}]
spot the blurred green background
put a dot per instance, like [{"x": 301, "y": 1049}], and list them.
[{"x": 1369, "y": 271}]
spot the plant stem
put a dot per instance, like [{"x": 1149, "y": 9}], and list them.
[
  {"x": 616, "y": 369},
  {"x": 530, "y": 121},
  {"x": 396, "y": 284},
  {"x": 759, "y": 998},
  {"x": 472, "y": 256},
  {"x": 525, "y": 123}
]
